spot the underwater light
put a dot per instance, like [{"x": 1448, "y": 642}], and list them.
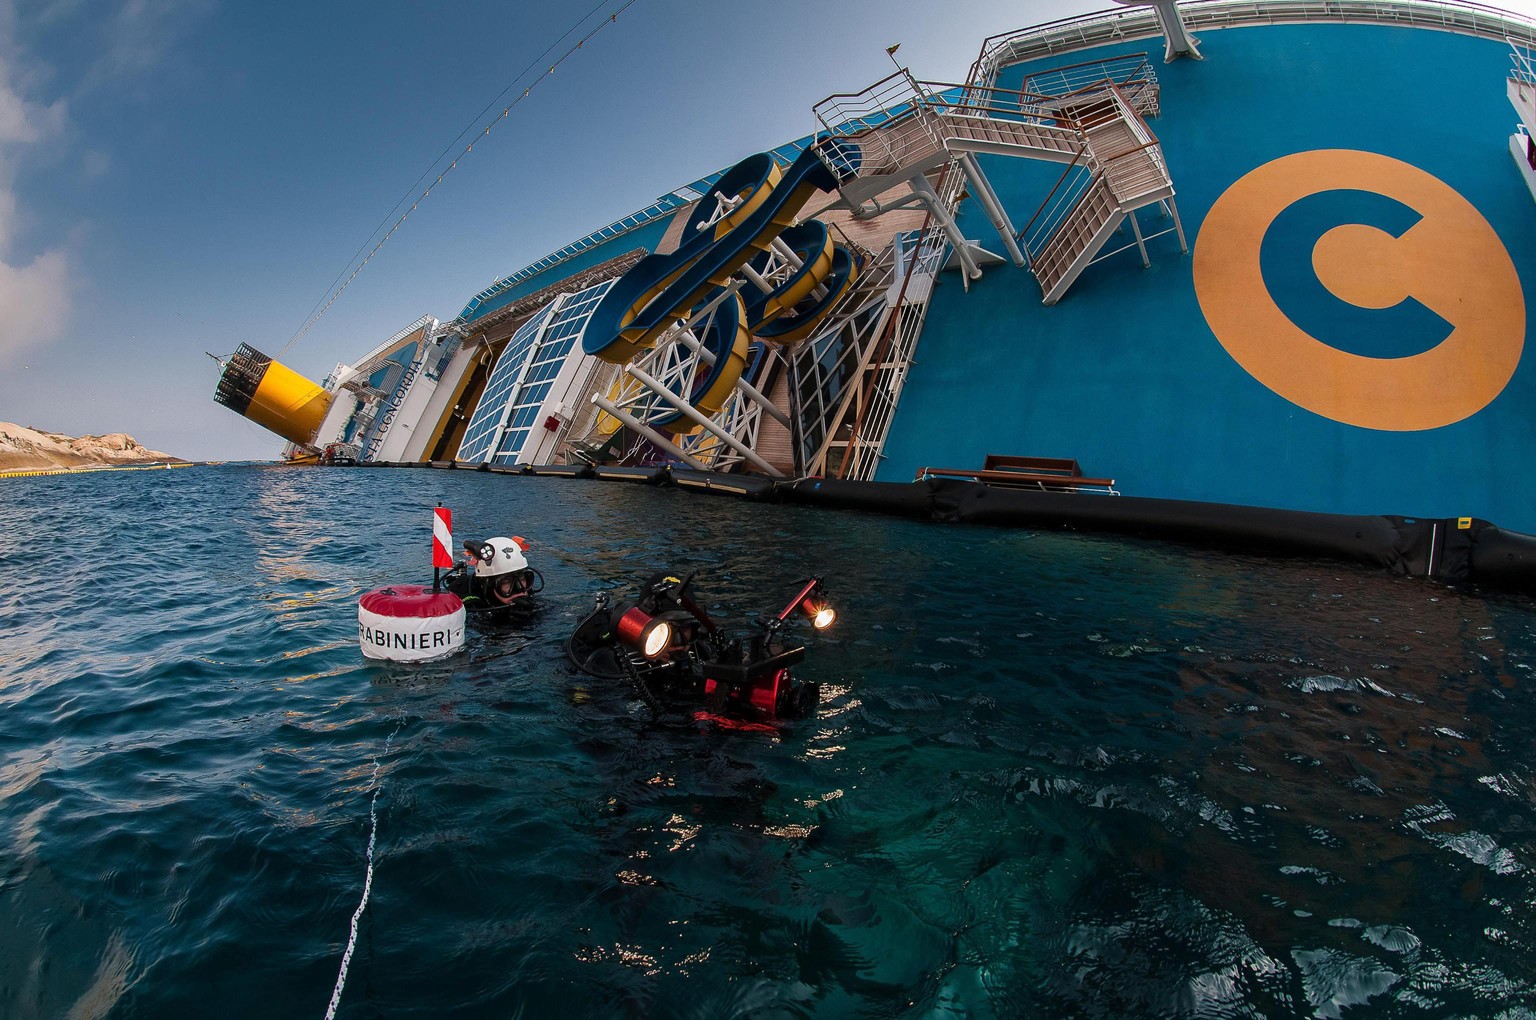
[
  {"x": 820, "y": 613},
  {"x": 667, "y": 646},
  {"x": 811, "y": 602},
  {"x": 644, "y": 633}
]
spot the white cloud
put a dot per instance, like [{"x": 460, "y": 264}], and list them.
[
  {"x": 139, "y": 35},
  {"x": 34, "y": 301},
  {"x": 34, "y": 292},
  {"x": 134, "y": 38},
  {"x": 15, "y": 123}
]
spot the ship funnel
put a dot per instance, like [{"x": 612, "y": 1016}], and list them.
[{"x": 272, "y": 395}]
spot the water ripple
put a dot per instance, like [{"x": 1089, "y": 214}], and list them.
[{"x": 1052, "y": 774}]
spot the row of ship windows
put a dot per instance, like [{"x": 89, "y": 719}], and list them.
[{"x": 556, "y": 330}]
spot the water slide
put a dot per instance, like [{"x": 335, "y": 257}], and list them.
[
  {"x": 727, "y": 338},
  {"x": 733, "y": 226},
  {"x": 751, "y": 370},
  {"x": 811, "y": 244},
  {"x": 810, "y": 310}
]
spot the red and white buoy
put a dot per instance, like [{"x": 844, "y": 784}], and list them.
[
  {"x": 442, "y": 541},
  {"x": 410, "y": 622}
]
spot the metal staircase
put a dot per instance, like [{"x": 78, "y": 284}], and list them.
[
  {"x": 964, "y": 131},
  {"x": 1520, "y": 87},
  {"x": 1089, "y": 116},
  {"x": 1066, "y": 252},
  {"x": 1124, "y": 171}
]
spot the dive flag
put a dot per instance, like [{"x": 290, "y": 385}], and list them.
[{"x": 442, "y": 537}]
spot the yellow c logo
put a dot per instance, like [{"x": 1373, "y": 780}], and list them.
[{"x": 1450, "y": 261}]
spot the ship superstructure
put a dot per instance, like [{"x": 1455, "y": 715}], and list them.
[{"x": 1125, "y": 241}]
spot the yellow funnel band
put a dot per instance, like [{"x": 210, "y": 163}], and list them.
[{"x": 288, "y": 404}]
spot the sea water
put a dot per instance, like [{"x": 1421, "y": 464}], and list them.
[{"x": 1051, "y": 775}]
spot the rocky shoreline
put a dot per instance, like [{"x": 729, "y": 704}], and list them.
[{"x": 29, "y": 449}]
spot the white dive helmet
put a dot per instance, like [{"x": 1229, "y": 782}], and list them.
[{"x": 506, "y": 557}]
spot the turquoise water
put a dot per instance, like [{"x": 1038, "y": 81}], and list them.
[{"x": 1053, "y": 775}]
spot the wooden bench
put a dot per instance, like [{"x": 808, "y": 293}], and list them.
[
  {"x": 1038, "y": 465},
  {"x": 1047, "y": 474}
]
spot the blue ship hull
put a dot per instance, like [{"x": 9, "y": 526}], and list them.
[{"x": 1127, "y": 373}]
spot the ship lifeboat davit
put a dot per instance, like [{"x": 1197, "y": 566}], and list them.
[{"x": 409, "y": 623}]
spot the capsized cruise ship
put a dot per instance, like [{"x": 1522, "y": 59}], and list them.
[{"x": 1270, "y": 254}]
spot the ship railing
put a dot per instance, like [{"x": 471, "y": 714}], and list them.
[
  {"x": 1097, "y": 100},
  {"x": 897, "y": 123},
  {"x": 919, "y": 253},
  {"x": 662, "y": 206},
  {"x": 1523, "y": 60},
  {"x": 365, "y": 364},
  {"x": 1129, "y": 89},
  {"x": 1132, "y": 73},
  {"x": 1131, "y": 80},
  {"x": 898, "y": 97},
  {"x": 888, "y": 121},
  {"x": 846, "y": 404},
  {"x": 1133, "y": 172},
  {"x": 1062, "y": 36},
  {"x": 1076, "y": 33},
  {"x": 878, "y": 391},
  {"x": 992, "y": 103},
  {"x": 450, "y": 341},
  {"x": 1060, "y": 203},
  {"x": 845, "y": 114},
  {"x": 1136, "y": 175}
]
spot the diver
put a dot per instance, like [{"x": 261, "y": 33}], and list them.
[
  {"x": 501, "y": 582},
  {"x": 668, "y": 647}
]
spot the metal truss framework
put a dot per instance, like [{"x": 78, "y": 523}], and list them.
[
  {"x": 844, "y": 382},
  {"x": 848, "y": 380}
]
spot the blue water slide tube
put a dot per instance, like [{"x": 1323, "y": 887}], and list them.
[
  {"x": 725, "y": 336},
  {"x": 802, "y": 321},
  {"x": 660, "y": 289},
  {"x": 811, "y": 243}
]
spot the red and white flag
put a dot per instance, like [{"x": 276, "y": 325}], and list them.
[{"x": 442, "y": 537}]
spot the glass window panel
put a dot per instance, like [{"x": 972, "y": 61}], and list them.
[{"x": 522, "y": 378}]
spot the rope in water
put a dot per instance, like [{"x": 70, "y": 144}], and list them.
[{"x": 373, "y": 832}]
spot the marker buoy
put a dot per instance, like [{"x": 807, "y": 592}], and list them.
[
  {"x": 409, "y": 623},
  {"x": 442, "y": 538}
]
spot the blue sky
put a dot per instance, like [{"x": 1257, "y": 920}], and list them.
[{"x": 181, "y": 176}]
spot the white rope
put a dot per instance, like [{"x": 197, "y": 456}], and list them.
[{"x": 373, "y": 832}]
